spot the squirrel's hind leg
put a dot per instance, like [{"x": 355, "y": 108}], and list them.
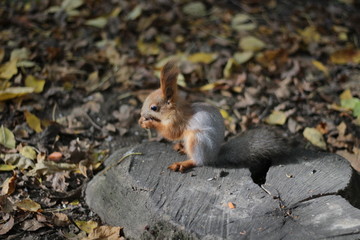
[
  {"x": 182, "y": 166},
  {"x": 179, "y": 147}
]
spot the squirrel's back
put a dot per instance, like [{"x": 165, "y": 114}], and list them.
[{"x": 208, "y": 124}]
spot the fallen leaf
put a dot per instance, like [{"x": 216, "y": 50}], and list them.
[
  {"x": 310, "y": 34},
  {"x": 49, "y": 167},
  {"x": 346, "y": 56},
  {"x": 8, "y": 187},
  {"x": 28, "y": 152},
  {"x": 202, "y": 57},
  {"x": 55, "y": 156},
  {"x": 242, "y": 22},
  {"x": 251, "y": 43},
  {"x": 86, "y": 226},
  {"x": 320, "y": 66},
  {"x": 6, "y": 167},
  {"x": 231, "y": 205},
  {"x": 243, "y": 57},
  {"x": 18, "y": 160},
  {"x": 6, "y": 205},
  {"x": 58, "y": 180},
  {"x": 135, "y": 13},
  {"x": 6, "y": 227},
  {"x": 33, "y": 121},
  {"x": 346, "y": 94},
  {"x": 99, "y": 22},
  {"x": 36, "y": 84},
  {"x": 8, "y": 70},
  {"x": 148, "y": 48},
  {"x": 276, "y": 118},
  {"x": 31, "y": 225},
  {"x": 20, "y": 54},
  {"x": 14, "y": 92},
  {"x": 228, "y": 68},
  {"x": 60, "y": 219},
  {"x": 105, "y": 232},
  {"x": 195, "y": 9},
  {"x": 7, "y": 138},
  {"x": 28, "y": 205},
  {"x": 315, "y": 137}
]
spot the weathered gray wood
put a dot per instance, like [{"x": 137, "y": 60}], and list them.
[{"x": 296, "y": 202}]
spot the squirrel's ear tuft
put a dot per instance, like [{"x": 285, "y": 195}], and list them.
[{"x": 168, "y": 80}]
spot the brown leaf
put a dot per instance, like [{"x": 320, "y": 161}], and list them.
[
  {"x": 8, "y": 186},
  {"x": 31, "y": 225},
  {"x": 61, "y": 219},
  {"x": 28, "y": 205},
  {"x": 105, "y": 232},
  {"x": 5, "y": 205},
  {"x": 6, "y": 227},
  {"x": 55, "y": 156},
  {"x": 58, "y": 181}
]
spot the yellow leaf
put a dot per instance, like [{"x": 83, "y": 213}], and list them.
[
  {"x": 20, "y": 54},
  {"x": 202, "y": 57},
  {"x": 310, "y": 34},
  {"x": 228, "y": 68},
  {"x": 242, "y": 22},
  {"x": 225, "y": 114},
  {"x": 321, "y": 67},
  {"x": 33, "y": 121},
  {"x": 208, "y": 87},
  {"x": 14, "y": 92},
  {"x": 148, "y": 48},
  {"x": 346, "y": 95},
  {"x": 28, "y": 205},
  {"x": 86, "y": 226},
  {"x": 28, "y": 152},
  {"x": 315, "y": 137},
  {"x": 251, "y": 43},
  {"x": 276, "y": 117},
  {"x": 7, "y": 138},
  {"x": 345, "y": 56},
  {"x": 8, "y": 70},
  {"x": 37, "y": 84},
  {"x": 6, "y": 167}
]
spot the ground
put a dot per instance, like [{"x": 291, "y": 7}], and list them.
[{"x": 73, "y": 76}]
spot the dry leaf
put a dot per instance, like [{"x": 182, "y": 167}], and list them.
[
  {"x": 310, "y": 34},
  {"x": 8, "y": 70},
  {"x": 28, "y": 152},
  {"x": 202, "y": 57},
  {"x": 6, "y": 167},
  {"x": 99, "y": 22},
  {"x": 105, "y": 232},
  {"x": 321, "y": 67},
  {"x": 6, "y": 227},
  {"x": 86, "y": 226},
  {"x": 242, "y": 22},
  {"x": 5, "y": 205},
  {"x": 33, "y": 121},
  {"x": 14, "y": 92},
  {"x": 35, "y": 83},
  {"x": 346, "y": 56},
  {"x": 315, "y": 137},
  {"x": 195, "y": 9},
  {"x": 231, "y": 205},
  {"x": 251, "y": 44},
  {"x": 7, "y": 138},
  {"x": 31, "y": 225},
  {"x": 28, "y": 205},
  {"x": 55, "y": 156},
  {"x": 18, "y": 160},
  {"x": 276, "y": 118},
  {"x": 8, "y": 187},
  {"x": 61, "y": 219}
]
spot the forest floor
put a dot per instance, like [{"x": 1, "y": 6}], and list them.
[{"x": 74, "y": 73}]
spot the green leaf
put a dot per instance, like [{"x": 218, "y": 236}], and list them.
[
  {"x": 6, "y": 167},
  {"x": 7, "y": 138},
  {"x": 356, "y": 110},
  {"x": 243, "y": 57},
  {"x": 28, "y": 152},
  {"x": 349, "y": 103}
]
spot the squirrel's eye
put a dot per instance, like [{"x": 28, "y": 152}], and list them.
[{"x": 154, "y": 108}]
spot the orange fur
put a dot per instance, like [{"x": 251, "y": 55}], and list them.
[{"x": 182, "y": 166}]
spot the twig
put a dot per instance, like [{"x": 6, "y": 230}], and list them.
[{"x": 119, "y": 161}]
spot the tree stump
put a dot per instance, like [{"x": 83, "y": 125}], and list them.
[{"x": 310, "y": 196}]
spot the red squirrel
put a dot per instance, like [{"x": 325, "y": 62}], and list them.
[{"x": 201, "y": 128}]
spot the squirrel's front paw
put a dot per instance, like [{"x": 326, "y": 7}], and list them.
[
  {"x": 182, "y": 166},
  {"x": 145, "y": 123}
]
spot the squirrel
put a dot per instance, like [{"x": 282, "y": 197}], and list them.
[{"x": 200, "y": 126}]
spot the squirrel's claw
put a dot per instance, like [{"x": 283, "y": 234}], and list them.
[{"x": 182, "y": 166}]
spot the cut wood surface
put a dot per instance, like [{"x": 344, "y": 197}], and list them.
[{"x": 300, "y": 199}]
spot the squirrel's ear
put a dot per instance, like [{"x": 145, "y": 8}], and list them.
[{"x": 168, "y": 79}]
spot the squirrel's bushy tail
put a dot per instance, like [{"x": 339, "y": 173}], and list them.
[{"x": 256, "y": 146}]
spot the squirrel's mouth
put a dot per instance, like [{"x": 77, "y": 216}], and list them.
[{"x": 152, "y": 118}]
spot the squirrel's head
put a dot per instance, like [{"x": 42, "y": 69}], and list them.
[{"x": 161, "y": 103}]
